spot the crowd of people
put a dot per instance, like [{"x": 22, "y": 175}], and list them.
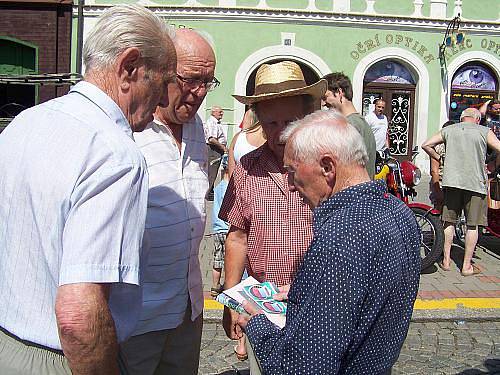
[{"x": 103, "y": 212}]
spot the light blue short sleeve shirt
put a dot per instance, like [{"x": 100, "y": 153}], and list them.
[{"x": 73, "y": 190}]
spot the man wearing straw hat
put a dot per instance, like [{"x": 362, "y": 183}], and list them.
[{"x": 270, "y": 226}]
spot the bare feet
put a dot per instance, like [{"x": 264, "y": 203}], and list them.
[
  {"x": 473, "y": 270},
  {"x": 443, "y": 266}
]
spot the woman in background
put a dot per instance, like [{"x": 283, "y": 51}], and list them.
[{"x": 248, "y": 139}]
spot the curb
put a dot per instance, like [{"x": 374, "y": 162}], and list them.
[{"x": 445, "y": 310}]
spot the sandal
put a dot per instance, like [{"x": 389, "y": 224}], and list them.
[
  {"x": 240, "y": 356},
  {"x": 215, "y": 291},
  {"x": 475, "y": 270},
  {"x": 441, "y": 265}
]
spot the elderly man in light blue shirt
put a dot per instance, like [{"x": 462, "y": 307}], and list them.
[{"x": 73, "y": 207}]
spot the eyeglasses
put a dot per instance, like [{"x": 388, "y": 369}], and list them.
[{"x": 195, "y": 84}]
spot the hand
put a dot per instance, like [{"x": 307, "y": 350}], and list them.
[
  {"x": 251, "y": 310},
  {"x": 438, "y": 198},
  {"x": 283, "y": 294},
  {"x": 230, "y": 324}
]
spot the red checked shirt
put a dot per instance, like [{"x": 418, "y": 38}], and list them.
[{"x": 278, "y": 223}]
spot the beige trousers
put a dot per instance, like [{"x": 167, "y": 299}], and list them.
[{"x": 17, "y": 358}]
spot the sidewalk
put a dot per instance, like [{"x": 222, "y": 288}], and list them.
[{"x": 442, "y": 295}]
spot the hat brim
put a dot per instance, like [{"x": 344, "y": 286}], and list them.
[{"x": 316, "y": 90}]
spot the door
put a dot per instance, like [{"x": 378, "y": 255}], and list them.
[{"x": 399, "y": 109}]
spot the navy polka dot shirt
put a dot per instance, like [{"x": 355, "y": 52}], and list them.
[{"x": 350, "y": 305}]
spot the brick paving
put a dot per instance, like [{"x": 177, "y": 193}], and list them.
[
  {"x": 467, "y": 348},
  {"x": 435, "y": 284}
]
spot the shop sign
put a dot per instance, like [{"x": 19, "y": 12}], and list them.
[
  {"x": 486, "y": 44},
  {"x": 401, "y": 40},
  {"x": 392, "y": 40}
]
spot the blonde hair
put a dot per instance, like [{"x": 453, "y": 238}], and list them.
[{"x": 250, "y": 120}]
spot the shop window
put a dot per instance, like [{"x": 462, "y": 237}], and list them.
[{"x": 472, "y": 85}]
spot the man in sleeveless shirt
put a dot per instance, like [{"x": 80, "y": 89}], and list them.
[{"x": 464, "y": 180}]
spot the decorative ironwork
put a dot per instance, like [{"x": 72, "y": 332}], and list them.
[
  {"x": 369, "y": 101},
  {"x": 400, "y": 124}
]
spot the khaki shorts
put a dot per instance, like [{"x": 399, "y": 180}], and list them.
[{"x": 474, "y": 205}]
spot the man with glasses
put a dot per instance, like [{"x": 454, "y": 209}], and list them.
[{"x": 167, "y": 338}]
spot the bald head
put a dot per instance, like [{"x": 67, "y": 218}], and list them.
[
  {"x": 195, "y": 68},
  {"x": 217, "y": 112},
  {"x": 471, "y": 115},
  {"x": 189, "y": 43}
]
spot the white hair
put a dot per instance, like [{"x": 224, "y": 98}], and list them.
[
  {"x": 325, "y": 132},
  {"x": 472, "y": 113},
  {"x": 125, "y": 26}
]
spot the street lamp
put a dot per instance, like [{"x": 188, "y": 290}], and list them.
[{"x": 452, "y": 36}]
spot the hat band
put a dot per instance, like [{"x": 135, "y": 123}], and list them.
[{"x": 276, "y": 88}]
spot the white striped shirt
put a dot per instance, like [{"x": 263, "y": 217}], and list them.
[
  {"x": 175, "y": 223},
  {"x": 73, "y": 196}
]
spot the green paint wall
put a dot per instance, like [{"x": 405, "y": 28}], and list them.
[
  {"x": 399, "y": 7},
  {"x": 340, "y": 47}
]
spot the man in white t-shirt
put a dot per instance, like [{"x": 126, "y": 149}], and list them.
[
  {"x": 379, "y": 125},
  {"x": 216, "y": 142}
]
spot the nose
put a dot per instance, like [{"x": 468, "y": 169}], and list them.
[{"x": 199, "y": 91}]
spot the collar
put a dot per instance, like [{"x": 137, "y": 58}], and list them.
[
  {"x": 370, "y": 190},
  {"x": 104, "y": 102},
  {"x": 271, "y": 165}
]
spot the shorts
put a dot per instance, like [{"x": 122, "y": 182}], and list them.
[
  {"x": 474, "y": 205},
  {"x": 219, "y": 249}
]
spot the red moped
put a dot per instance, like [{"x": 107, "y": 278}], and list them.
[{"x": 402, "y": 178}]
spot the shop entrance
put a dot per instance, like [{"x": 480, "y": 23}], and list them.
[{"x": 392, "y": 82}]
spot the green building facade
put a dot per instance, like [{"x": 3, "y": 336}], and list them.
[{"x": 396, "y": 49}]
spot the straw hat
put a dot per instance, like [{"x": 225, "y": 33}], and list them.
[{"x": 280, "y": 80}]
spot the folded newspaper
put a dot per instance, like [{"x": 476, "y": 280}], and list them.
[{"x": 260, "y": 294}]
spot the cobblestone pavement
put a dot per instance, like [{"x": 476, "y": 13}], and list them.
[{"x": 466, "y": 348}]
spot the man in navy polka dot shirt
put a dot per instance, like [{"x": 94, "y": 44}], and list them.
[{"x": 350, "y": 305}]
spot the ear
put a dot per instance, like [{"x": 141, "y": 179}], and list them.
[
  {"x": 128, "y": 64},
  {"x": 341, "y": 94},
  {"x": 328, "y": 165}
]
